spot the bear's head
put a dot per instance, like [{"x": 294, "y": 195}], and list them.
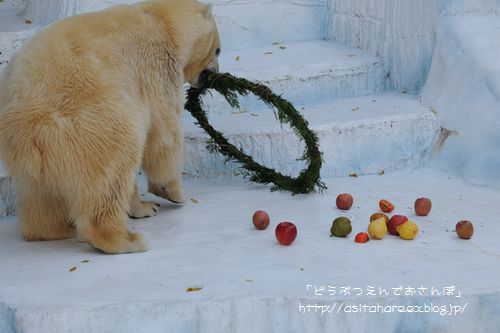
[
  {"x": 204, "y": 55},
  {"x": 196, "y": 38}
]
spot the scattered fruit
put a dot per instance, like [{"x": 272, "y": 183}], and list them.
[
  {"x": 394, "y": 222},
  {"x": 379, "y": 215},
  {"x": 408, "y": 230},
  {"x": 260, "y": 219},
  {"x": 464, "y": 229},
  {"x": 423, "y": 206},
  {"x": 344, "y": 201},
  {"x": 341, "y": 227},
  {"x": 361, "y": 237},
  {"x": 386, "y": 206},
  {"x": 286, "y": 232},
  {"x": 377, "y": 229}
]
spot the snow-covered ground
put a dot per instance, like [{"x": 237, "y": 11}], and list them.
[{"x": 250, "y": 283}]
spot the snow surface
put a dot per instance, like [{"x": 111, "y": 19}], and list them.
[{"x": 249, "y": 282}]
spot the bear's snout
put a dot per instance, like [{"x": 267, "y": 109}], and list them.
[{"x": 203, "y": 78}]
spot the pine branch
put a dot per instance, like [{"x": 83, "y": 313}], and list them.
[{"x": 230, "y": 87}]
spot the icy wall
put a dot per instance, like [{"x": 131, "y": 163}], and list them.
[
  {"x": 449, "y": 50},
  {"x": 464, "y": 89},
  {"x": 14, "y": 3},
  {"x": 453, "y": 7},
  {"x": 402, "y": 32}
]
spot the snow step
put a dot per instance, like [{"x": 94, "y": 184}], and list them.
[
  {"x": 247, "y": 24},
  {"x": 362, "y": 135},
  {"x": 305, "y": 72}
]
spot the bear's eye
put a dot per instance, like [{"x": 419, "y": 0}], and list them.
[{"x": 217, "y": 52}]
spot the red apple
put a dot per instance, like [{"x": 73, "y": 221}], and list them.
[
  {"x": 361, "y": 237},
  {"x": 344, "y": 201},
  {"x": 423, "y": 206},
  {"x": 286, "y": 233},
  {"x": 464, "y": 229},
  {"x": 386, "y": 206},
  {"x": 394, "y": 222},
  {"x": 260, "y": 219}
]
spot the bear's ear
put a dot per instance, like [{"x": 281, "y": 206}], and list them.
[{"x": 207, "y": 11}]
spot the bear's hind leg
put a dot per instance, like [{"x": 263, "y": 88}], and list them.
[
  {"x": 101, "y": 219},
  {"x": 43, "y": 216},
  {"x": 108, "y": 232}
]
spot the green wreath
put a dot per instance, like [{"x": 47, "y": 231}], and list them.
[{"x": 230, "y": 86}]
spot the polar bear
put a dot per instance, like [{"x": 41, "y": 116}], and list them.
[{"x": 88, "y": 101}]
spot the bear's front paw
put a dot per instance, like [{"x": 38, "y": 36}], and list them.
[
  {"x": 143, "y": 209},
  {"x": 172, "y": 192}
]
